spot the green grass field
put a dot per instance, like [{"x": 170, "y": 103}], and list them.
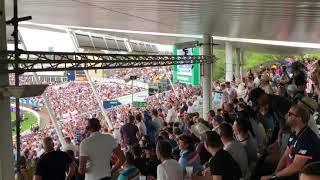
[{"x": 25, "y": 125}]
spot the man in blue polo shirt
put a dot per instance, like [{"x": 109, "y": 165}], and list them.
[{"x": 303, "y": 145}]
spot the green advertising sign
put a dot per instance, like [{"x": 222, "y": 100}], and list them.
[
  {"x": 187, "y": 73},
  {"x": 139, "y": 104}
]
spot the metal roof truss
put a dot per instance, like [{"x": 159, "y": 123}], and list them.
[{"x": 34, "y": 61}]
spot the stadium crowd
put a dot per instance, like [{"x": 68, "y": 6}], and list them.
[
  {"x": 147, "y": 74},
  {"x": 266, "y": 128},
  {"x": 80, "y": 96}
]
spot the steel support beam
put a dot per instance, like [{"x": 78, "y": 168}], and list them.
[{"x": 35, "y": 61}]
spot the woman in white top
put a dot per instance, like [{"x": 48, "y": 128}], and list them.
[{"x": 169, "y": 169}]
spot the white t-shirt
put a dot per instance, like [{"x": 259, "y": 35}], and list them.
[
  {"x": 225, "y": 96},
  {"x": 171, "y": 116},
  {"x": 117, "y": 135},
  {"x": 39, "y": 152},
  {"x": 198, "y": 103},
  {"x": 169, "y": 170},
  {"x": 256, "y": 82},
  {"x": 142, "y": 128},
  {"x": 191, "y": 109},
  {"x": 70, "y": 147},
  {"x": 232, "y": 94},
  {"x": 98, "y": 147}
]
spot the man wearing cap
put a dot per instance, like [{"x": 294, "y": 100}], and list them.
[
  {"x": 303, "y": 145},
  {"x": 311, "y": 106}
]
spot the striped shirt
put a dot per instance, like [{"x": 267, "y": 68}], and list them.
[{"x": 131, "y": 173}]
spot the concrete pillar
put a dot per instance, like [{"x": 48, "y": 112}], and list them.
[
  {"x": 6, "y": 147},
  {"x": 206, "y": 78},
  {"x": 238, "y": 62},
  {"x": 242, "y": 73},
  {"x": 229, "y": 63}
]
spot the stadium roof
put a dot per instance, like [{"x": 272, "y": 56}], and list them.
[{"x": 180, "y": 20}]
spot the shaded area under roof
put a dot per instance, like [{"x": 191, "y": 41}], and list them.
[{"x": 283, "y": 20}]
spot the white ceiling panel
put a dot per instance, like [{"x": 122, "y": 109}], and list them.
[{"x": 283, "y": 20}]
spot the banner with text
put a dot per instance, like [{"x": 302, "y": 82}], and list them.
[{"x": 187, "y": 73}]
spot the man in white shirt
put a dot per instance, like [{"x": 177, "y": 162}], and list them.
[
  {"x": 69, "y": 145},
  {"x": 141, "y": 125},
  {"x": 116, "y": 133},
  {"x": 158, "y": 121},
  {"x": 172, "y": 115},
  {"x": 96, "y": 151},
  {"x": 197, "y": 104},
  {"x": 232, "y": 92},
  {"x": 169, "y": 169},
  {"x": 225, "y": 94},
  {"x": 256, "y": 80},
  {"x": 39, "y": 150},
  {"x": 191, "y": 108}
]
